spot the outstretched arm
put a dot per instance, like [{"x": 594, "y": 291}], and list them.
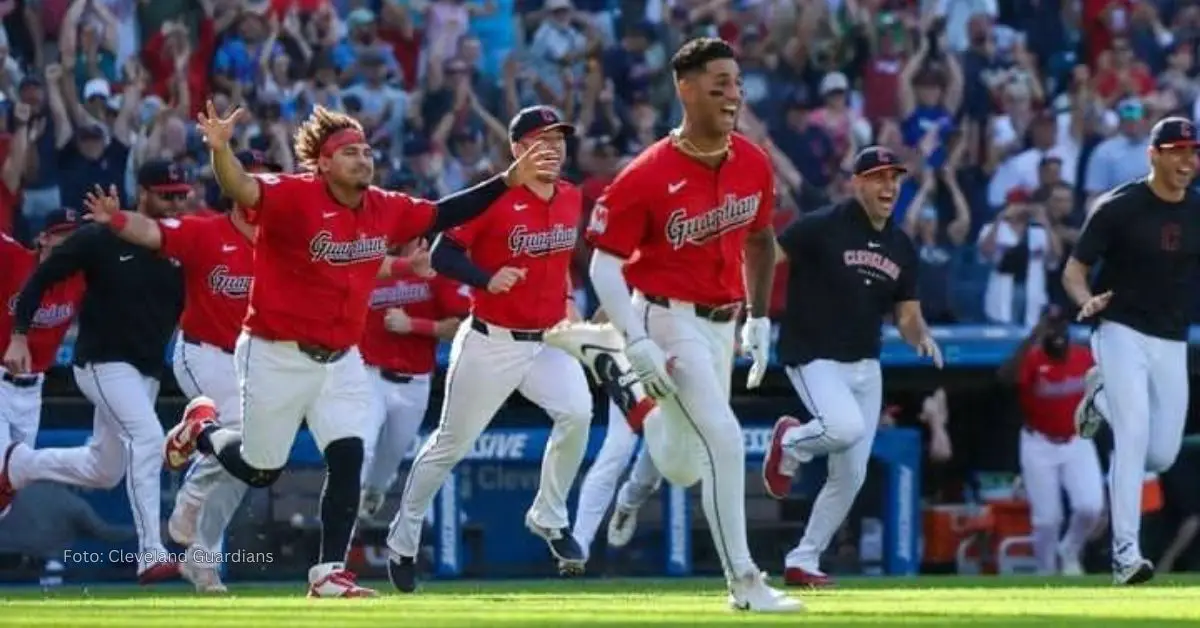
[{"x": 535, "y": 163}]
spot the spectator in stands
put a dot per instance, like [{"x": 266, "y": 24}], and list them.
[
  {"x": 1020, "y": 249},
  {"x": 936, "y": 245},
  {"x": 1122, "y": 157}
]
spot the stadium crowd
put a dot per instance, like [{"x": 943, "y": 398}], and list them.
[{"x": 1012, "y": 116}]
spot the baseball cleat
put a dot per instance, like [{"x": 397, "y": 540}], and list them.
[
  {"x": 1087, "y": 414},
  {"x": 600, "y": 348},
  {"x": 563, "y": 546},
  {"x": 1136, "y": 572},
  {"x": 205, "y": 578},
  {"x": 182, "y": 524},
  {"x": 800, "y": 577},
  {"x": 752, "y": 593},
  {"x": 622, "y": 525},
  {"x": 159, "y": 572},
  {"x": 1069, "y": 564},
  {"x": 181, "y": 440},
  {"x": 334, "y": 580},
  {"x": 402, "y": 571},
  {"x": 7, "y": 492},
  {"x": 779, "y": 469}
]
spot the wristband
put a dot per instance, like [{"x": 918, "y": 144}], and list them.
[
  {"x": 399, "y": 266},
  {"x": 423, "y": 326},
  {"x": 118, "y": 221}
]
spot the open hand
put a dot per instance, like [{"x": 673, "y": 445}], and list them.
[
  {"x": 420, "y": 261},
  {"x": 505, "y": 279},
  {"x": 928, "y": 348},
  {"x": 218, "y": 130},
  {"x": 537, "y": 163},
  {"x": 102, "y": 206},
  {"x": 1094, "y": 305}
]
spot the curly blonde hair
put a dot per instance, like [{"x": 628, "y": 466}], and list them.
[{"x": 313, "y": 132}]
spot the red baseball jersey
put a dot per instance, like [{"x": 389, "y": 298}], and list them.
[
  {"x": 1049, "y": 390},
  {"x": 218, "y": 269},
  {"x": 690, "y": 221},
  {"x": 55, "y": 313},
  {"x": 315, "y": 260},
  {"x": 525, "y": 231},
  {"x": 432, "y": 299}
]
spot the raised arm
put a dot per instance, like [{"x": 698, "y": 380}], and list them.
[
  {"x": 468, "y": 204},
  {"x": 235, "y": 183},
  {"x": 105, "y": 209}
]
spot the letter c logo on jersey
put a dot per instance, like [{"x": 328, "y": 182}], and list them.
[
  {"x": 733, "y": 213},
  {"x": 598, "y": 223},
  {"x": 1172, "y": 236}
]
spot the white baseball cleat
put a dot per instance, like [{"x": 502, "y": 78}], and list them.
[
  {"x": 1070, "y": 564},
  {"x": 205, "y": 578},
  {"x": 182, "y": 524},
  {"x": 752, "y": 593},
  {"x": 585, "y": 341},
  {"x": 1087, "y": 414},
  {"x": 1135, "y": 572},
  {"x": 622, "y": 525}
]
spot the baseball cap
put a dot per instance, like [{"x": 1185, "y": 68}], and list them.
[
  {"x": 60, "y": 220},
  {"x": 1173, "y": 132},
  {"x": 834, "y": 82},
  {"x": 97, "y": 88},
  {"x": 873, "y": 158},
  {"x": 161, "y": 175},
  {"x": 536, "y": 119},
  {"x": 1131, "y": 109},
  {"x": 256, "y": 160}
]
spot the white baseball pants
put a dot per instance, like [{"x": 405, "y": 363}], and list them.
[
  {"x": 694, "y": 434},
  {"x": 1047, "y": 469},
  {"x": 281, "y": 387},
  {"x": 1146, "y": 386},
  {"x": 844, "y": 399},
  {"x": 127, "y": 442},
  {"x": 209, "y": 371},
  {"x": 20, "y": 410},
  {"x": 600, "y": 482},
  {"x": 484, "y": 371},
  {"x": 397, "y": 410}
]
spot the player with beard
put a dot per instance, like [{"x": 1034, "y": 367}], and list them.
[
  {"x": 696, "y": 207},
  {"x": 130, "y": 307},
  {"x": 322, "y": 236},
  {"x": 1048, "y": 372},
  {"x": 848, "y": 266},
  {"x": 1147, "y": 233}
]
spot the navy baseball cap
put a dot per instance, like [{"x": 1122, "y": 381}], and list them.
[
  {"x": 257, "y": 161},
  {"x": 1173, "y": 132},
  {"x": 535, "y": 120},
  {"x": 163, "y": 176},
  {"x": 875, "y": 158},
  {"x": 60, "y": 220}
]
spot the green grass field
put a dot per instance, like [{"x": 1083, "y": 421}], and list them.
[{"x": 927, "y": 601}]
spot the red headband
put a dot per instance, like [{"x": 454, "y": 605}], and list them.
[{"x": 341, "y": 139}]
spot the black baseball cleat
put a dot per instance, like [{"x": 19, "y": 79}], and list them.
[
  {"x": 563, "y": 547},
  {"x": 402, "y": 571}
]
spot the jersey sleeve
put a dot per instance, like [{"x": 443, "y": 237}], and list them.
[
  {"x": 1098, "y": 233},
  {"x": 410, "y": 217},
  {"x": 766, "y": 208},
  {"x": 277, "y": 193},
  {"x": 453, "y": 298},
  {"x": 180, "y": 236},
  {"x": 906, "y": 285},
  {"x": 621, "y": 217},
  {"x": 798, "y": 238}
]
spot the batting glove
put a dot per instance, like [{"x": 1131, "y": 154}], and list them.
[
  {"x": 650, "y": 364},
  {"x": 756, "y": 344}
]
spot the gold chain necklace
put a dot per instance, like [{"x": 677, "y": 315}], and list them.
[{"x": 686, "y": 145}]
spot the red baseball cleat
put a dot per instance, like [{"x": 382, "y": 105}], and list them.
[
  {"x": 159, "y": 572},
  {"x": 181, "y": 440},
  {"x": 339, "y": 583},
  {"x": 777, "y": 476},
  {"x": 797, "y": 577},
  {"x": 7, "y": 492}
]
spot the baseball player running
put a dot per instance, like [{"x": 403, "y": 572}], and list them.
[
  {"x": 217, "y": 257},
  {"x": 1147, "y": 233},
  {"x": 1048, "y": 372},
  {"x": 697, "y": 206},
  {"x": 130, "y": 306},
  {"x": 21, "y": 382},
  {"x": 321, "y": 239},
  {"x": 408, "y": 315},
  {"x": 517, "y": 259},
  {"x": 848, "y": 265}
]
